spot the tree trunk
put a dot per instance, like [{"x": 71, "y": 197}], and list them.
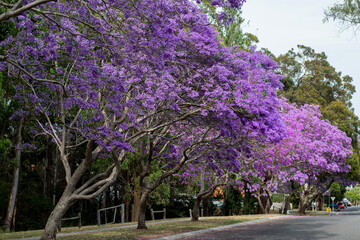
[
  {"x": 15, "y": 182},
  {"x": 195, "y": 213},
  {"x": 12, "y": 200},
  {"x": 206, "y": 207},
  {"x": 302, "y": 205},
  {"x": 136, "y": 204},
  {"x": 287, "y": 204},
  {"x": 320, "y": 202},
  {"x": 56, "y": 160},
  {"x": 265, "y": 201},
  {"x": 142, "y": 210},
  {"x": 57, "y": 213},
  {"x": 307, "y": 196},
  {"x": 269, "y": 202},
  {"x": 14, "y": 218},
  {"x": 261, "y": 209},
  {"x": 264, "y": 204},
  {"x": 103, "y": 199}
]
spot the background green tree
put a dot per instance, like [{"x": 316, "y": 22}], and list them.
[
  {"x": 231, "y": 32},
  {"x": 353, "y": 195},
  {"x": 347, "y": 13}
]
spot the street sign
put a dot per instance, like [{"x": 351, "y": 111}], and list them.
[{"x": 333, "y": 198}]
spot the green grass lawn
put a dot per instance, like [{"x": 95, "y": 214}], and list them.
[{"x": 158, "y": 230}]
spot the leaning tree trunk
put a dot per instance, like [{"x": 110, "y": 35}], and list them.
[
  {"x": 264, "y": 204},
  {"x": 265, "y": 197},
  {"x": 195, "y": 213},
  {"x": 200, "y": 197},
  {"x": 15, "y": 182},
  {"x": 302, "y": 206},
  {"x": 261, "y": 205},
  {"x": 57, "y": 213},
  {"x": 69, "y": 197},
  {"x": 142, "y": 210},
  {"x": 287, "y": 204},
  {"x": 269, "y": 202},
  {"x": 307, "y": 195}
]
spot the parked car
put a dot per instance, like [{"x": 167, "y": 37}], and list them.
[
  {"x": 341, "y": 205},
  {"x": 347, "y": 203},
  {"x": 334, "y": 206}
]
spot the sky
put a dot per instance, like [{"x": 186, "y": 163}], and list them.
[{"x": 283, "y": 24}]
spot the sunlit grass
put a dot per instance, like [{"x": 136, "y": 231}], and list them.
[{"x": 158, "y": 230}]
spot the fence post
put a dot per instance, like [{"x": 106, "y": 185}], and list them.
[
  {"x": 190, "y": 212},
  {"x": 98, "y": 217},
  {"x": 152, "y": 214},
  {"x": 79, "y": 219},
  {"x": 164, "y": 213},
  {"x": 122, "y": 213}
]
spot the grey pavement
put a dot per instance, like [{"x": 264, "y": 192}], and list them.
[
  {"x": 206, "y": 232},
  {"x": 343, "y": 225}
]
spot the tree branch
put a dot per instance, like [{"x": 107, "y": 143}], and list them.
[{"x": 16, "y": 10}]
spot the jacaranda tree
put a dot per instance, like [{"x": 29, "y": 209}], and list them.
[
  {"x": 314, "y": 154},
  {"x": 105, "y": 75}
]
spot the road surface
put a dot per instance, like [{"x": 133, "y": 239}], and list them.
[{"x": 343, "y": 225}]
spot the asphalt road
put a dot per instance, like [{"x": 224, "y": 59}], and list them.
[{"x": 343, "y": 225}]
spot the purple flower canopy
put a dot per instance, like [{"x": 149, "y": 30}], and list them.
[{"x": 115, "y": 72}]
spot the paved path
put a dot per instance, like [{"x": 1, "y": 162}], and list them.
[{"x": 343, "y": 225}]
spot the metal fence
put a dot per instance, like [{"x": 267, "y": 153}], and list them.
[
  {"x": 122, "y": 206},
  {"x": 70, "y": 218}
]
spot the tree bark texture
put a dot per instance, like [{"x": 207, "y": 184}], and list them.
[
  {"x": 88, "y": 190},
  {"x": 320, "y": 202},
  {"x": 265, "y": 201},
  {"x": 302, "y": 205},
  {"x": 287, "y": 204},
  {"x": 307, "y": 195},
  {"x": 142, "y": 210},
  {"x": 56, "y": 160},
  {"x": 264, "y": 204},
  {"x": 57, "y": 213},
  {"x": 15, "y": 182},
  {"x": 203, "y": 194},
  {"x": 195, "y": 212},
  {"x": 136, "y": 203}
]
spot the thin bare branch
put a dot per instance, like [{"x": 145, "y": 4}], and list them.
[
  {"x": 94, "y": 178},
  {"x": 16, "y": 10}
]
